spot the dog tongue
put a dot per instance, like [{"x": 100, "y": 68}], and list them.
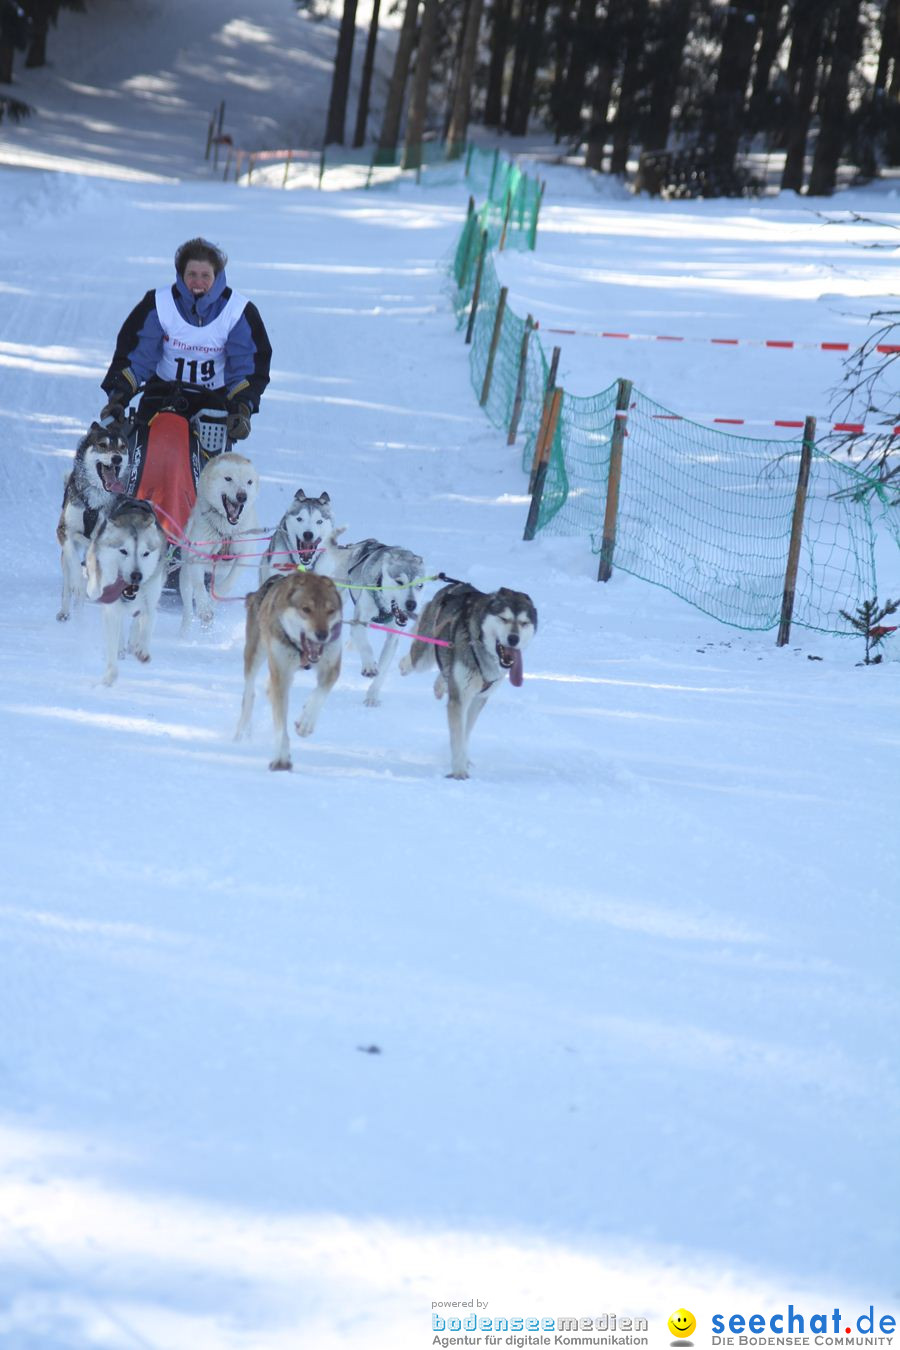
[
  {"x": 116, "y": 486},
  {"x": 516, "y": 670},
  {"x": 112, "y": 592}
]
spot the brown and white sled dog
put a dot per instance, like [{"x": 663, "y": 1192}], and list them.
[
  {"x": 298, "y": 536},
  {"x": 90, "y": 488},
  {"x": 384, "y": 584},
  {"x": 487, "y": 635},
  {"x": 295, "y": 621},
  {"x": 223, "y": 514},
  {"x": 126, "y": 567}
]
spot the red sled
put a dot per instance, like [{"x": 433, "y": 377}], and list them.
[{"x": 170, "y": 468}]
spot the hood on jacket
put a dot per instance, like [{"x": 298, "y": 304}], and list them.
[{"x": 199, "y": 310}]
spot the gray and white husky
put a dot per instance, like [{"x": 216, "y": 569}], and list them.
[
  {"x": 126, "y": 567},
  {"x": 384, "y": 584},
  {"x": 298, "y": 538},
  {"x": 90, "y": 488},
  {"x": 223, "y": 514},
  {"x": 487, "y": 634}
]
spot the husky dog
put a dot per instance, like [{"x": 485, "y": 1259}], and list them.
[
  {"x": 298, "y": 537},
  {"x": 126, "y": 566},
  {"x": 222, "y": 514},
  {"x": 383, "y": 583},
  {"x": 486, "y": 635},
  {"x": 88, "y": 492},
  {"x": 295, "y": 620}
]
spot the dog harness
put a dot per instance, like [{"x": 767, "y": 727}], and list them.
[{"x": 190, "y": 354}]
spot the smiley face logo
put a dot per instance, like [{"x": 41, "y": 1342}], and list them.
[{"x": 682, "y": 1323}]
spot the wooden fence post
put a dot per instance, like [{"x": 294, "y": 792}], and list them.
[
  {"x": 476, "y": 289},
  {"x": 532, "y": 234},
  {"x": 287, "y": 168},
  {"x": 614, "y": 479},
  {"x": 545, "y": 415},
  {"x": 469, "y": 232},
  {"x": 520, "y": 383},
  {"x": 493, "y": 172},
  {"x": 495, "y": 340},
  {"x": 793, "y": 561},
  {"x": 249, "y": 169},
  {"x": 506, "y": 210},
  {"x": 227, "y": 166},
  {"x": 321, "y": 167},
  {"x": 543, "y": 461},
  {"x": 469, "y": 157}
]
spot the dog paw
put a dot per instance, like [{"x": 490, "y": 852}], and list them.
[
  {"x": 369, "y": 672},
  {"x": 277, "y": 764},
  {"x": 62, "y": 616},
  {"x": 110, "y": 678},
  {"x": 405, "y": 666},
  {"x": 372, "y": 700},
  {"x": 304, "y": 726},
  {"x": 461, "y": 774},
  {"x": 440, "y": 687},
  {"x": 142, "y": 655}
]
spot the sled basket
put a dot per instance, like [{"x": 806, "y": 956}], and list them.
[{"x": 210, "y": 424}]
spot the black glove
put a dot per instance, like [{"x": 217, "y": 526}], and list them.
[
  {"x": 112, "y": 412},
  {"x": 238, "y": 424}
]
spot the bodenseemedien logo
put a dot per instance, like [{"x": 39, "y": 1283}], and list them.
[{"x": 605, "y": 1329}]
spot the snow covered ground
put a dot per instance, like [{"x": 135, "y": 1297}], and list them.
[{"x": 632, "y": 985}]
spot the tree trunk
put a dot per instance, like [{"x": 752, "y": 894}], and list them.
[
  {"x": 833, "y": 102},
  {"x": 459, "y": 118},
  {"x": 806, "y": 46},
  {"x": 729, "y": 99},
  {"x": 573, "y": 86},
  {"x": 889, "y": 49},
  {"x": 365, "y": 88},
  {"x": 41, "y": 13},
  {"x": 523, "y": 20},
  {"x": 668, "y": 59},
  {"x": 629, "y": 86},
  {"x": 418, "y": 103},
  {"x": 340, "y": 83},
  {"x": 493, "y": 104},
  {"x": 771, "y": 39},
  {"x": 393, "y": 108},
  {"x": 608, "y": 60},
  {"x": 518, "y": 123}
]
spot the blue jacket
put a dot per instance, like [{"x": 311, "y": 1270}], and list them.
[{"x": 248, "y": 351}]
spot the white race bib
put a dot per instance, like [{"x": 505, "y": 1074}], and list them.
[{"x": 195, "y": 355}]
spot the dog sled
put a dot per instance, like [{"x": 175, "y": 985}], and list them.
[{"x": 167, "y": 451}]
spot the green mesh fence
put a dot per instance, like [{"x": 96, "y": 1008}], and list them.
[
  {"x": 707, "y": 514},
  {"x": 703, "y": 513}
]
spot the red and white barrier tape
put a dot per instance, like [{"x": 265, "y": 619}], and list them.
[
  {"x": 844, "y": 428},
  {"x": 773, "y": 343}
]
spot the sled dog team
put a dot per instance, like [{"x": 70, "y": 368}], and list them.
[{"x": 114, "y": 551}]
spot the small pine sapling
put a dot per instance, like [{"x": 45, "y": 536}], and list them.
[{"x": 868, "y": 621}]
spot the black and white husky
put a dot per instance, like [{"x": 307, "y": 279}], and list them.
[
  {"x": 126, "y": 567},
  {"x": 384, "y": 584},
  {"x": 90, "y": 489},
  {"x": 298, "y": 538},
  {"x": 483, "y": 637}
]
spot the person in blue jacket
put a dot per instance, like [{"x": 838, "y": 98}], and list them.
[{"x": 195, "y": 344}]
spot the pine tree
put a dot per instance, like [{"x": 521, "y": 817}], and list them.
[{"x": 868, "y": 621}]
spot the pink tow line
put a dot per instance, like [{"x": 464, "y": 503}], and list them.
[{"x": 238, "y": 599}]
